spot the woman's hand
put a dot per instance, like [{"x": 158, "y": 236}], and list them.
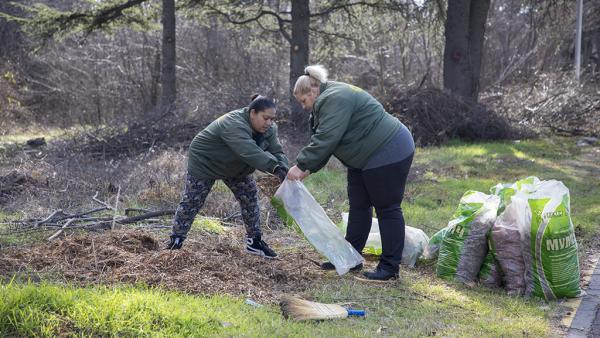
[{"x": 296, "y": 173}]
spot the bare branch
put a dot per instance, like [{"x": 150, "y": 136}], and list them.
[
  {"x": 280, "y": 20},
  {"x": 95, "y": 198},
  {"x": 375, "y": 4},
  {"x": 71, "y": 220}
]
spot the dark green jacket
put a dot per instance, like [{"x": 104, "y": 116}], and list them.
[
  {"x": 347, "y": 122},
  {"x": 229, "y": 147}
]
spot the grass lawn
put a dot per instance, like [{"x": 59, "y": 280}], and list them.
[{"x": 421, "y": 305}]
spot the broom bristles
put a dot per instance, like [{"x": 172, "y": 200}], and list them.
[{"x": 300, "y": 309}]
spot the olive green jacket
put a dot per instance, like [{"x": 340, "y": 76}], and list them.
[
  {"x": 229, "y": 148},
  {"x": 347, "y": 122}
]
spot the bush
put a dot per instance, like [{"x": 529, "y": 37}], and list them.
[{"x": 435, "y": 116}]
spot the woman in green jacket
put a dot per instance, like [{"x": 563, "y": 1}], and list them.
[
  {"x": 377, "y": 149},
  {"x": 230, "y": 149}
]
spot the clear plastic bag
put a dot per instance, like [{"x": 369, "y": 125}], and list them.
[
  {"x": 507, "y": 239},
  {"x": 415, "y": 241},
  {"x": 316, "y": 226}
]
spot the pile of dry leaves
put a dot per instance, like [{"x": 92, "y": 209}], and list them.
[{"x": 207, "y": 264}]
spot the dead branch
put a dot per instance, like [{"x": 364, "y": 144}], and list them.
[
  {"x": 134, "y": 219},
  {"x": 95, "y": 198},
  {"x": 69, "y": 221},
  {"x": 47, "y": 218}
]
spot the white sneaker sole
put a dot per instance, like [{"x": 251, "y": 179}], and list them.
[{"x": 256, "y": 252}]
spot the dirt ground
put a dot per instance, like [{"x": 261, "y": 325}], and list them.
[{"x": 207, "y": 264}]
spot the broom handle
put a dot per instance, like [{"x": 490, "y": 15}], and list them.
[{"x": 358, "y": 313}]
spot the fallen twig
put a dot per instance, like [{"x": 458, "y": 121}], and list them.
[
  {"x": 95, "y": 198},
  {"x": 69, "y": 221},
  {"x": 48, "y": 218}
]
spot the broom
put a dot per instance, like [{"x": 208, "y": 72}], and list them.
[{"x": 300, "y": 309}]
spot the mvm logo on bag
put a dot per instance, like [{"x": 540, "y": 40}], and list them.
[{"x": 560, "y": 243}]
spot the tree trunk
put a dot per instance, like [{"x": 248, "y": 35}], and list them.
[
  {"x": 168, "y": 78},
  {"x": 298, "y": 55},
  {"x": 465, "y": 30}
]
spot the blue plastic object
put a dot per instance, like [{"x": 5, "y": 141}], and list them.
[{"x": 357, "y": 313}]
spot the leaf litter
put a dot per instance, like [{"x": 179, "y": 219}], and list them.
[{"x": 207, "y": 263}]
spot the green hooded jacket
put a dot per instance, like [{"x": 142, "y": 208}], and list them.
[
  {"x": 229, "y": 148},
  {"x": 347, "y": 122}
]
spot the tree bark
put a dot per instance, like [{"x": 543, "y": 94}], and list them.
[
  {"x": 299, "y": 54},
  {"x": 465, "y": 31},
  {"x": 168, "y": 78}
]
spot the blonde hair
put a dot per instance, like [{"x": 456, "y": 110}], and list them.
[{"x": 313, "y": 77}]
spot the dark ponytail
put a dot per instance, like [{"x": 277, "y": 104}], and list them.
[{"x": 260, "y": 103}]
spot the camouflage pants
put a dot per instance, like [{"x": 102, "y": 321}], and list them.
[{"x": 244, "y": 189}]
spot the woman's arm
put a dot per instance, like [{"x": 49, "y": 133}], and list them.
[
  {"x": 276, "y": 149},
  {"x": 241, "y": 143}
]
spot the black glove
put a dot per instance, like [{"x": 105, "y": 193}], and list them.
[
  {"x": 280, "y": 172},
  {"x": 175, "y": 243}
]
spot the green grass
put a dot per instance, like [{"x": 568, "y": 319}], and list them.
[
  {"x": 48, "y": 310},
  {"x": 410, "y": 309},
  {"x": 209, "y": 225}
]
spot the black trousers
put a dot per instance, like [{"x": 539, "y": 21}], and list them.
[{"x": 382, "y": 188}]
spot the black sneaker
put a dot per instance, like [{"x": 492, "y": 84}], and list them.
[
  {"x": 329, "y": 266},
  {"x": 380, "y": 274},
  {"x": 175, "y": 243},
  {"x": 256, "y": 246}
]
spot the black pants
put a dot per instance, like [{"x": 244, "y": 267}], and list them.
[{"x": 382, "y": 188}]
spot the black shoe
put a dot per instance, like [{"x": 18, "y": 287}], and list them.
[
  {"x": 380, "y": 274},
  {"x": 256, "y": 246},
  {"x": 175, "y": 243},
  {"x": 329, "y": 266}
]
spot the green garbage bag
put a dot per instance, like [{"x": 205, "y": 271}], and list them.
[
  {"x": 490, "y": 273},
  {"x": 507, "y": 190},
  {"x": 464, "y": 246},
  {"x": 550, "y": 255},
  {"x": 433, "y": 246}
]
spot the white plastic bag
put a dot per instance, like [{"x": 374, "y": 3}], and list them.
[
  {"x": 317, "y": 227},
  {"x": 415, "y": 241}
]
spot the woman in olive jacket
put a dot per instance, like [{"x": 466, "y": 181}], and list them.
[
  {"x": 377, "y": 149},
  {"x": 230, "y": 149}
]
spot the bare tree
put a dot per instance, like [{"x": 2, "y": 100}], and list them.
[
  {"x": 465, "y": 29},
  {"x": 168, "y": 80},
  {"x": 48, "y": 23},
  {"x": 299, "y": 50}
]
